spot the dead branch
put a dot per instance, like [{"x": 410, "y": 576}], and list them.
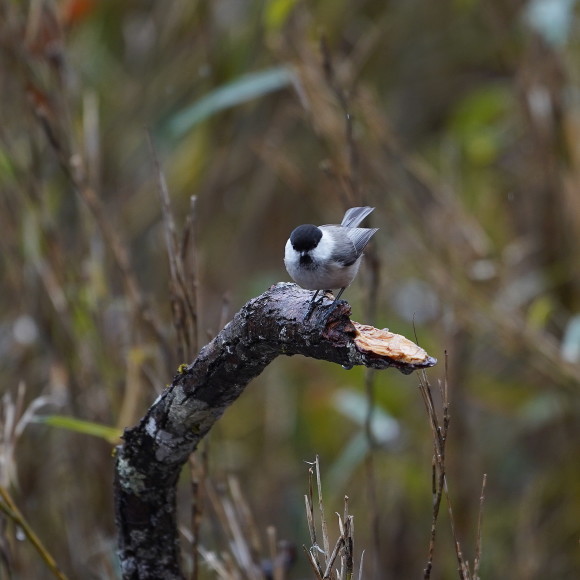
[{"x": 150, "y": 460}]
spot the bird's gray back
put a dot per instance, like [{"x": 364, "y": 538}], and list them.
[
  {"x": 348, "y": 243},
  {"x": 344, "y": 251}
]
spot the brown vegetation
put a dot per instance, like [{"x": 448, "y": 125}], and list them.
[{"x": 456, "y": 120}]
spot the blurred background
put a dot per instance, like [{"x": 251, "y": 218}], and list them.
[{"x": 458, "y": 120}]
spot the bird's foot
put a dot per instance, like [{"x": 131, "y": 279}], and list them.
[
  {"x": 330, "y": 310},
  {"x": 314, "y": 303}
]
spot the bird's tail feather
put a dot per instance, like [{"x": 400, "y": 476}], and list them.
[{"x": 355, "y": 215}]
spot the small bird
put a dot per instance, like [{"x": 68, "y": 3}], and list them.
[{"x": 328, "y": 257}]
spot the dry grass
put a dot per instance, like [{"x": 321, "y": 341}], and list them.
[{"x": 439, "y": 422}]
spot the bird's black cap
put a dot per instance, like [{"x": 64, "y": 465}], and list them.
[{"x": 305, "y": 237}]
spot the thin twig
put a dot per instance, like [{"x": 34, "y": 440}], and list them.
[
  {"x": 438, "y": 468},
  {"x": 11, "y": 511},
  {"x": 330, "y": 560},
  {"x": 440, "y": 487},
  {"x": 313, "y": 563},
  {"x": 309, "y": 499},
  {"x": 348, "y": 547},
  {"x": 190, "y": 263},
  {"x": 343, "y": 100},
  {"x": 321, "y": 508},
  {"x": 277, "y": 563},
  {"x": 462, "y": 569},
  {"x": 245, "y": 516},
  {"x": 183, "y": 300},
  {"x": 477, "y": 560},
  {"x": 360, "y": 568}
]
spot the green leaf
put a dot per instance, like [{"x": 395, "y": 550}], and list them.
[
  {"x": 276, "y": 13},
  {"x": 109, "y": 434},
  {"x": 239, "y": 91}
]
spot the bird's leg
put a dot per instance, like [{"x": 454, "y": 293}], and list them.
[
  {"x": 312, "y": 305},
  {"x": 333, "y": 306}
]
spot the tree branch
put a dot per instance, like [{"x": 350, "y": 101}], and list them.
[{"x": 150, "y": 460}]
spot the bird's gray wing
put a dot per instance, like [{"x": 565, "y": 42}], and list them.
[
  {"x": 360, "y": 237},
  {"x": 343, "y": 250},
  {"x": 355, "y": 215}
]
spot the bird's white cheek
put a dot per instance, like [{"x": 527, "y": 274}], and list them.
[
  {"x": 324, "y": 248},
  {"x": 290, "y": 254}
]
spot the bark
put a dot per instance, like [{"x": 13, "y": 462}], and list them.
[{"x": 149, "y": 461}]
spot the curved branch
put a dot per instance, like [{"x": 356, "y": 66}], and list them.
[{"x": 150, "y": 460}]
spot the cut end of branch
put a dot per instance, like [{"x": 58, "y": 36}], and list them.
[{"x": 383, "y": 343}]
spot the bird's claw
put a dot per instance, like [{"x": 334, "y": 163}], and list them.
[{"x": 313, "y": 304}]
